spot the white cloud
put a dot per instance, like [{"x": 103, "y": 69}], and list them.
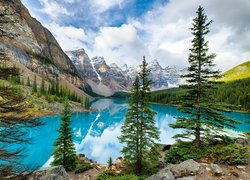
[
  {"x": 53, "y": 9},
  {"x": 162, "y": 33},
  {"x": 103, "y": 5},
  {"x": 168, "y": 38},
  {"x": 68, "y": 37},
  {"x": 119, "y": 44},
  {"x": 69, "y": 1}
]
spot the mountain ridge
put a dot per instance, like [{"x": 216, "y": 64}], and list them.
[
  {"x": 28, "y": 43},
  {"x": 109, "y": 79},
  {"x": 240, "y": 71}
]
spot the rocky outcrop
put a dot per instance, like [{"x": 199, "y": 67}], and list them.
[
  {"x": 164, "y": 174},
  {"x": 216, "y": 169},
  {"x": 50, "y": 173},
  {"x": 102, "y": 78},
  {"x": 28, "y": 43},
  {"x": 184, "y": 169},
  {"x": 83, "y": 64}
]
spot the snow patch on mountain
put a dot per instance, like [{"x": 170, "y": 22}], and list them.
[
  {"x": 98, "y": 75},
  {"x": 107, "y": 79}
]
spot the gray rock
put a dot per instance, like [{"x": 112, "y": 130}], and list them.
[
  {"x": 186, "y": 168},
  {"x": 162, "y": 175},
  {"x": 216, "y": 169},
  {"x": 51, "y": 173},
  {"x": 241, "y": 141},
  {"x": 187, "y": 178}
]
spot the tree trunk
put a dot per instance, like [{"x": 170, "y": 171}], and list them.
[{"x": 197, "y": 136}]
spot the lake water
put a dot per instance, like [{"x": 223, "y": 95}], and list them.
[{"x": 95, "y": 133}]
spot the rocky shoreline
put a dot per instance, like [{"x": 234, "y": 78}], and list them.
[{"x": 186, "y": 170}]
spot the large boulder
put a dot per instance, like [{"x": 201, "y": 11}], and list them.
[
  {"x": 216, "y": 169},
  {"x": 182, "y": 171},
  {"x": 50, "y": 173},
  {"x": 186, "y": 168},
  {"x": 164, "y": 174}
]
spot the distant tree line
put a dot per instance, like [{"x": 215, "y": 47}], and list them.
[
  {"x": 53, "y": 92},
  {"x": 232, "y": 93},
  {"x": 54, "y": 89}
]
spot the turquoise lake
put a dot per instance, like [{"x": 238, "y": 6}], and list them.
[{"x": 95, "y": 133}]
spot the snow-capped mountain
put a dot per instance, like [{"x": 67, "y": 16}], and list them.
[
  {"x": 102, "y": 78},
  {"x": 162, "y": 78},
  {"x": 107, "y": 79}
]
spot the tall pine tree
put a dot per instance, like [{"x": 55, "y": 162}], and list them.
[
  {"x": 28, "y": 82},
  {"x": 14, "y": 124},
  {"x": 138, "y": 131},
  {"x": 86, "y": 103},
  {"x": 203, "y": 118},
  {"x": 64, "y": 152},
  {"x": 42, "y": 87},
  {"x": 34, "y": 86}
]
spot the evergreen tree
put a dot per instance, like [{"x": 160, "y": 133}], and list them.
[
  {"x": 34, "y": 87},
  {"x": 138, "y": 131},
  {"x": 14, "y": 124},
  {"x": 42, "y": 88},
  {"x": 204, "y": 117},
  {"x": 53, "y": 88},
  {"x": 57, "y": 88},
  {"x": 64, "y": 152},
  {"x": 110, "y": 163},
  {"x": 86, "y": 103}
]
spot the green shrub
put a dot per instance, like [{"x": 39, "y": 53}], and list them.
[
  {"x": 230, "y": 154},
  {"x": 82, "y": 166},
  {"x": 106, "y": 175},
  {"x": 111, "y": 175},
  {"x": 127, "y": 177},
  {"x": 219, "y": 139},
  {"x": 224, "y": 152},
  {"x": 182, "y": 151}
]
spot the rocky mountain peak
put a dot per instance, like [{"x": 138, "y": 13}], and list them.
[
  {"x": 154, "y": 65},
  {"x": 114, "y": 65},
  {"x": 124, "y": 67},
  {"x": 99, "y": 60},
  {"x": 106, "y": 79},
  {"x": 32, "y": 46}
]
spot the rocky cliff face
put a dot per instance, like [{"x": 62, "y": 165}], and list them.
[
  {"x": 162, "y": 78},
  {"x": 106, "y": 79},
  {"x": 29, "y": 43},
  {"x": 102, "y": 78}
]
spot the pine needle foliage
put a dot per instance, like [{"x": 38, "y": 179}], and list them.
[
  {"x": 14, "y": 124},
  {"x": 204, "y": 118},
  {"x": 64, "y": 152},
  {"x": 138, "y": 131},
  {"x": 110, "y": 163},
  {"x": 86, "y": 103}
]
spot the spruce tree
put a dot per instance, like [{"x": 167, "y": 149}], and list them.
[
  {"x": 34, "y": 86},
  {"x": 203, "y": 116},
  {"x": 138, "y": 131},
  {"x": 42, "y": 88},
  {"x": 64, "y": 152},
  {"x": 110, "y": 163},
  {"x": 86, "y": 103},
  {"x": 14, "y": 123}
]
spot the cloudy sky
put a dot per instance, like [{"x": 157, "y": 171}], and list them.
[{"x": 123, "y": 31}]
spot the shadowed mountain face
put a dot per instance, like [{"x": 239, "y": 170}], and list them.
[
  {"x": 107, "y": 79},
  {"x": 28, "y": 43}
]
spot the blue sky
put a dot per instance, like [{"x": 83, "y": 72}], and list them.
[{"x": 122, "y": 31}]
